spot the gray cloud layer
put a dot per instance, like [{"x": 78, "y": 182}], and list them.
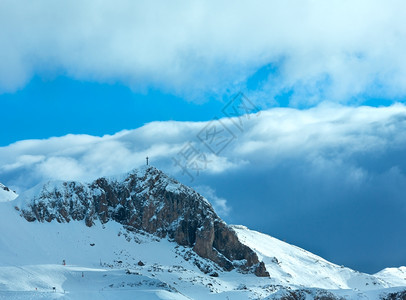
[{"x": 334, "y": 51}]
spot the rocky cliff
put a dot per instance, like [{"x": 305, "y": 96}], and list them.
[{"x": 147, "y": 200}]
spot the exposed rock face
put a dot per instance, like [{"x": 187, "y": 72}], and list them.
[
  {"x": 4, "y": 188},
  {"x": 146, "y": 200},
  {"x": 400, "y": 295}
]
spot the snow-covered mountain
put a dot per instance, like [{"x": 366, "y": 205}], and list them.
[
  {"x": 6, "y": 194},
  {"x": 146, "y": 200},
  {"x": 144, "y": 235}
]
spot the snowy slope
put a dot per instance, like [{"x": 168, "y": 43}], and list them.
[
  {"x": 107, "y": 261},
  {"x": 397, "y": 276},
  {"x": 291, "y": 265},
  {"x": 6, "y": 194},
  {"x": 108, "y": 255}
]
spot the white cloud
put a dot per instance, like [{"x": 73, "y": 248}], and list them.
[
  {"x": 327, "y": 138},
  {"x": 324, "y": 51}
]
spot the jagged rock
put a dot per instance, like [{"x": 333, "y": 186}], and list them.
[
  {"x": 141, "y": 264},
  {"x": 400, "y": 295},
  {"x": 147, "y": 200}
]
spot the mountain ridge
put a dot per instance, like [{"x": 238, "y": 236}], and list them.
[{"x": 144, "y": 199}]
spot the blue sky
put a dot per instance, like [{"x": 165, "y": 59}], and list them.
[
  {"x": 93, "y": 90},
  {"x": 62, "y": 105}
]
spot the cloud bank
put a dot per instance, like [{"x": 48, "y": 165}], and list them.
[
  {"x": 325, "y": 137},
  {"x": 337, "y": 51}
]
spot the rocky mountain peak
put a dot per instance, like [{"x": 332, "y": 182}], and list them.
[{"x": 144, "y": 199}]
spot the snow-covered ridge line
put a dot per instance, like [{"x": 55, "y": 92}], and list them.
[
  {"x": 294, "y": 265},
  {"x": 6, "y": 194}
]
